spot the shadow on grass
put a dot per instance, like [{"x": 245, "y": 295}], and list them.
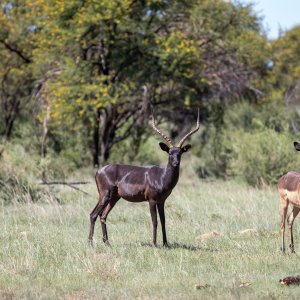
[
  {"x": 171, "y": 246},
  {"x": 178, "y": 246}
]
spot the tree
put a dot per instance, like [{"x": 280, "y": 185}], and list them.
[
  {"x": 16, "y": 78},
  {"x": 106, "y": 53},
  {"x": 285, "y": 64}
]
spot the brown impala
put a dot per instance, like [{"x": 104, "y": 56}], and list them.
[
  {"x": 136, "y": 184},
  {"x": 289, "y": 190}
]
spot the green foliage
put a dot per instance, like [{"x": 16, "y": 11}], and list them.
[
  {"x": 286, "y": 68},
  {"x": 16, "y": 176},
  {"x": 147, "y": 153},
  {"x": 262, "y": 142},
  {"x": 73, "y": 74},
  {"x": 262, "y": 157},
  {"x": 15, "y": 189},
  {"x": 253, "y": 142},
  {"x": 21, "y": 172},
  {"x": 232, "y": 45},
  {"x": 16, "y": 72}
]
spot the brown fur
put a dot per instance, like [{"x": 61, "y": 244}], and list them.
[{"x": 289, "y": 190}]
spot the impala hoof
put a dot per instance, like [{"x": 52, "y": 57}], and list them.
[
  {"x": 106, "y": 242},
  {"x": 292, "y": 248}
]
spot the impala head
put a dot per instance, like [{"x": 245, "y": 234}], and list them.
[
  {"x": 297, "y": 146},
  {"x": 175, "y": 152}
]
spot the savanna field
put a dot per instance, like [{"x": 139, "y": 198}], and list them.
[{"x": 224, "y": 244}]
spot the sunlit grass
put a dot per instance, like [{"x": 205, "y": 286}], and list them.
[{"x": 44, "y": 252}]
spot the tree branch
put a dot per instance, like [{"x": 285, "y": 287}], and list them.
[{"x": 18, "y": 52}]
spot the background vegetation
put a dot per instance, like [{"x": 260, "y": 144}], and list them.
[{"x": 78, "y": 79}]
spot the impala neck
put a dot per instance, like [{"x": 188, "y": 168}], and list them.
[{"x": 171, "y": 175}]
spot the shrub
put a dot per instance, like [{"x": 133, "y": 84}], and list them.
[
  {"x": 252, "y": 142},
  {"x": 17, "y": 175},
  {"x": 262, "y": 157},
  {"x": 18, "y": 189}
]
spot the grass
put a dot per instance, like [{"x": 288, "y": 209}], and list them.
[{"x": 44, "y": 252}]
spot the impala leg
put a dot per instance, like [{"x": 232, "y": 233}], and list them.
[
  {"x": 93, "y": 217},
  {"x": 94, "y": 214},
  {"x": 291, "y": 219},
  {"x": 153, "y": 213},
  {"x": 161, "y": 211},
  {"x": 284, "y": 208},
  {"x": 103, "y": 217}
]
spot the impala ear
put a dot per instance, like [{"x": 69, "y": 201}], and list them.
[
  {"x": 297, "y": 146},
  {"x": 186, "y": 148},
  {"x": 164, "y": 147}
]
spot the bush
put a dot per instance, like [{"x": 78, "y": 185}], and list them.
[
  {"x": 147, "y": 153},
  {"x": 18, "y": 175},
  {"x": 251, "y": 142},
  {"x": 262, "y": 157},
  {"x": 18, "y": 189}
]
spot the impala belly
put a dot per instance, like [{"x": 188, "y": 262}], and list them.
[
  {"x": 132, "y": 187},
  {"x": 293, "y": 197},
  {"x": 289, "y": 188},
  {"x": 132, "y": 192}
]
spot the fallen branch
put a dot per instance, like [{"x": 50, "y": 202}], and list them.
[
  {"x": 65, "y": 182},
  {"x": 78, "y": 189},
  {"x": 69, "y": 184}
]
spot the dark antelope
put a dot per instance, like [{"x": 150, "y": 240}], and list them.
[
  {"x": 136, "y": 184},
  {"x": 289, "y": 190}
]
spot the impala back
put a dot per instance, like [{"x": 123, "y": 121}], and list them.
[
  {"x": 289, "y": 188},
  {"x": 132, "y": 183}
]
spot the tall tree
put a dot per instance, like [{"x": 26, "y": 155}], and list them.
[
  {"x": 285, "y": 64},
  {"x": 106, "y": 53},
  {"x": 16, "y": 46}
]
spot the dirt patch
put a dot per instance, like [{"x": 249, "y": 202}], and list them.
[
  {"x": 244, "y": 284},
  {"x": 104, "y": 266},
  {"x": 6, "y": 295},
  {"x": 209, "y": 235},
  {"x": 249, "y": 231},
  {"x": 77, "y": 295},
  {"x": 258, "y": 232}
]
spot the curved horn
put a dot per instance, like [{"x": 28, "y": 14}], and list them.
[
  {"x": 190, "y": 133},
  {"x": 159, "y": 132}
]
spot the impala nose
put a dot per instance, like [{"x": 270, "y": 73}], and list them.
[{"x": 175, "y": 163}]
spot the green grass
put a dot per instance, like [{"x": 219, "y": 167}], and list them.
[{"x": 44, "y": 252}]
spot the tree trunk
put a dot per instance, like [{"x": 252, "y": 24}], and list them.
[
  {"x": 11, "y": 115},
  {"x": 107, "y": 128},
  {"x": 96, "y": 145}
]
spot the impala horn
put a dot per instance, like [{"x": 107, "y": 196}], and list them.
[
  {"x": 190, "y": 133},
  {"x": 153, "y": 124}
]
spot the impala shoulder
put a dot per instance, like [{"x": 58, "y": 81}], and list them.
[
  {"x": 103, "y": 169},
  {"x": 290, "y": 181},
  {"x": 155, "y": 169}
]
